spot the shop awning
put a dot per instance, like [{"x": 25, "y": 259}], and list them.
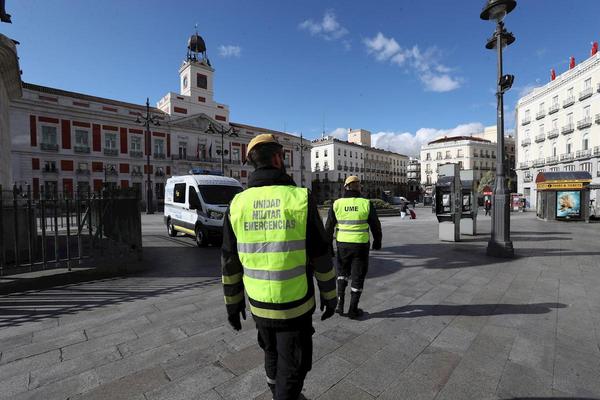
[{"x": 562, "y": 180}]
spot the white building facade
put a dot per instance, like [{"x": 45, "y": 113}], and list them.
[
  {"x": 64, "y": 141},
  {"x": 10, "y": 89},
  {"x": 558, "y": 127},
  {"x": 333, "y": 160}
]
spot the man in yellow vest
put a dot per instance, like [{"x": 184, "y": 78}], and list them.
[
  {"x": 350, "y": 218},
  {"x": 274, "y": 243}
]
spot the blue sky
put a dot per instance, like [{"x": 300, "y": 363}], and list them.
[{"x": 405, "y": 70}]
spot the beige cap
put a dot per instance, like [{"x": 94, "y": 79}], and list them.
[
  {"x": 261, "y": 139},
  {"x": 350, "y": 179}
]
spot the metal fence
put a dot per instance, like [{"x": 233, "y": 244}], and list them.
[{"x": 62, "y": 230}]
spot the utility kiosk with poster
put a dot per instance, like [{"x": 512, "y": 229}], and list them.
[
  {"x": 448, "y": 202},
  {"x": 563, "y": 196},
  {"x": 468, "y": 220}
]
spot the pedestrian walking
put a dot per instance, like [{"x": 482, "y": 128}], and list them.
[
  {"x": 274, "y": 243},
  {"x": 350, "y": 218},
  {"x": 404, "y": 210},
  {"x": 487, "y": 206}
]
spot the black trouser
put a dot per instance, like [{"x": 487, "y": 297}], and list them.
[
  {"x": 288, "y": 358},
  {"x": 353, "y": 262}
]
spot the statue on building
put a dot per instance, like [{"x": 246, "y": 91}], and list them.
[{"x": 4, "y": 17}]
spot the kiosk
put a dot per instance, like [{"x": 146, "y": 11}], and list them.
[
  {"x": 448, "y": 202},
  {"x": 563, "y": 196},
  {"x": 468, "y": 220}
]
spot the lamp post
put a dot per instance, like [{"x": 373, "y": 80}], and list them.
[
  {"x": 500, "y": 244},
  {"x": 302, "y": 147},
  {"x": 220, "y": 130},
  {"x": 147, "y": 120}
]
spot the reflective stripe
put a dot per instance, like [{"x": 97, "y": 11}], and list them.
[
  {"x": 270, "y": 381},
  {"x": 325, "y": 276},
  {"x": 271, "y": 247},
  {"x": 343, "y": 278},
  {"x": 353, "y": 222},
  {"x": 234, "y": 299},
  {"x": 284, "y": 314},
  {"x": 353, "y": 230},
  {"x": 355, "y": 290},
  {"x": 329, "y": 295},
  {"x": 275, "y": 275},
  {"x": 231, "y": 279}
]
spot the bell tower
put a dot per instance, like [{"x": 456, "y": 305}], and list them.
[{"x": 196, "y": 73}]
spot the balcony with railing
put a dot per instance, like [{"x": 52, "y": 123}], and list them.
[
  {"x": 78, "y": 148},
  {"x": 585, "y": 93},
  {"x": 541, "y": 114},
  {"x": 50, "y": 170},
  {"x": 584, "y": 123},
  {"x": 526, "y": 142},
  {"x": 597, "y": 151},
  {"x": 540, "y": 138},
  {"x": 49, "y": 146},
  {"x": 553, "y": 133},
  {"x": 345, "y": 168},
  {"x": 80, "y": 171},
  {"x": 552, "y": 160},
  {"x": 527, "y": 178},
  {"x": 539, "y": 162},
  {"x": 582, "y": 154},
  {"x": 161, "y": 156},
  {"x": 553, "y": 108},
  {"x": 569, "y": 101},
  {"x": 524, "y": 164},
  {"x": 111, "y": 152},
  {"x": 136, "y": 154},
  {"x": 567, "y": 157},
  {"x": 525, "y": 121},
  {"x": 568, "y": 128}
]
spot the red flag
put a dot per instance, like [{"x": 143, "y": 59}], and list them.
[
  {"x": 571, "y": 62},
  {"x": 594, "y": 48},
  {"x": 552, "y": 74}
]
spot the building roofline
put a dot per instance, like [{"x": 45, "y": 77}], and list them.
[
  {"x": 87, "y": 97},
  {"x": 331, "y": 139}
]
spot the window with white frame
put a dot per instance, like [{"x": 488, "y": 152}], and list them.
[
  {"x": 49, "y": 135},
  {"x": 317, "y": 154},
  {"x": 569, "y": 118},
  {"x": 136, "y": 143},
  {"x": 554, "y": 149},
  {"x": 587, "y": 84},
  {"x": 555, "y": 123},
  {"x": 81, "y": 137},
  {"x": 555, "y": 101},
  {"x": 159, "y": 146},
  {"x": 541, "y": 129},
  {"x": 570, "y": 92},
  {"x": 110, "y": 140},
  {"x": 586, "y": 111},
  {"x": 586, "y": 166},
  {"x": 325, "y": 153},
  {"x": 569, "y": 147},
  {"x": 82, "y": 166},
  {"x": 235, "y": 153},
  {"x": 569, "y": 168},
  {"x": 585, "y": 143},
  {"x": 542, "y": 107}
]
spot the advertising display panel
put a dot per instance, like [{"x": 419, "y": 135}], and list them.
[{"x": 568, "y": 204}]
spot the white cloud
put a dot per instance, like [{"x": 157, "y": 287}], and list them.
[
  {"x": 328, "y": 28},
  {"x": 525, "y": 90},
  {"x": 230, "y": 51},
  {"x": 427, "y": 65},
  {"x": 409, "y": 143}
]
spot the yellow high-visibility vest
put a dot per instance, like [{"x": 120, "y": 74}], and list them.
[
  {"x": 352, "y": 214},
  {"x": 269, "y": 223}
]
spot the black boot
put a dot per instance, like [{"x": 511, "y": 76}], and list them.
[
  {"x": 341, "y": 292},
  {"x": 354, "y": 312}
]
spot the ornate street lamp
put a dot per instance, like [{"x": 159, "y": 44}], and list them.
[
  {"x": 147, "y": 120},
  {"x": 301, "y": 148},
  {"x": 500, "y": 244},
  {"x": 220, "y": 130}
]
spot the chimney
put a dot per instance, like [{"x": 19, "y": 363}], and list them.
[
  {"x": 571, "y": 62},
  {"x": 552, "y": 74},
  {"x": 594, "y": 49}
]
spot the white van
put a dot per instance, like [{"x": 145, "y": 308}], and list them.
[{"x": 195, "y": 205}]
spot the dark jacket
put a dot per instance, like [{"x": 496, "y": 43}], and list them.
[
  {"x": 317, "y": 249},
  {"x": 373, "y": 222}
]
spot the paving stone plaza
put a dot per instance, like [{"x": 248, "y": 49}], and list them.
[{"x": 444, "y": 322}]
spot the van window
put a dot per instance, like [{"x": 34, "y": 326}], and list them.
[
  {"x": 192, "y": 194},
  {"x": 179, "y": 193},
  {"x": 218, "y": 194}
]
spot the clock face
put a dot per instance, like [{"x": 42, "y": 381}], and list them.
[{"x": 185, "y": 81}]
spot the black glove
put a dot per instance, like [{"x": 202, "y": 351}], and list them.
[
  {"x": 329, "y": 307},
  {"x": 234, "y": 319},
  {"x": 376, "y": 245}
]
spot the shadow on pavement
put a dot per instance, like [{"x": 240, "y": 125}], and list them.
[{"x": 471, "y": 310}]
